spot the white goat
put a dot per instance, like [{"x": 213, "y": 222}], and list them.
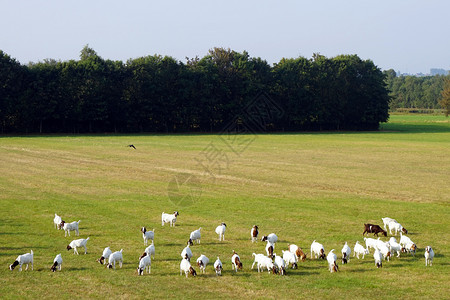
[
  {"x": 395, "y": 246},
  {"x": 257, "y": 258},
  {"x": 346, "y": 251},
  {"x": 105, "y": 255},
  {"x": 280, "y": 264},
  {"x": 147, "y": 235},
  {"x": 254, "y": 233},
  {"x": 185, "y": 266},
  {"x": 297, "y": 251},
  {"x": 272, "y": 238},
  {"x": 169, "y": 218},
  {"x": 26, "y": 259},
  {"x": 144, "y": 263},
  {"x": 332, "y": 265},
  {"x": 318, "y": 250},
  {"x": 218, "y": 266},
  {"x": 409, "y": 245},
  {"x": 77, "y": 244},
  {"x": 236, "y": 261},
  {"x": 385, "y": 250},
  {"x": 57, "y": 221},
  {"x": 115, "y": 257},
  {"x": 150, "y": 250},
  {"x": 57, "y": 263},
  {"x": 202, "y": 262},
  {"x": 359, "y": 250},
  {"x": 220, "y": 230},
  {"x": 378, "y": 258},
  {"x": 429, "y": 255},
  {"x": 266, "y": 262},
  {"x": 290, "y": 258},
  {"x": 370, "y": 243},
  {"x": 70, "y": 226},
  {"x": 397, "y": 227},
  {"x": 386, "y": 221},
  {"x": 195, "y": 236},
  {"x": 186, "y": 253}
]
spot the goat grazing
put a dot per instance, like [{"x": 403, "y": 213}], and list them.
[
  {"x": 269, "y": 249},
  {"x": 395, "y": 246},
  {"x": 77, "y": 244},
  {"x": 378, "y": 258},
  {"x": 144, "y": 263},
  {"x": 218, "y": 266},
  {"x": 297, "y": 251},
  {"x": 185, "y": 266},
  {"x": 57, "y": 263},
  {"x": 346, "y": 251},
  {"x": 332, "y": 264},
  {"x": 26, "y": 259},
  {"x": 57, "y": 221},
  {"x": 220, "y": 230},
  {"x": 272, "y": 238},
  {"x": 169, "y": 218},
  {"x": 70, "y": 226},
  {"x": 150, "y": 250},
  {"x": 397, "y": 227},
  {"x": 290, "y": 259},
  {"x": 187, "y": 252},
  {"x": 386, "y": 221},
  {"x": 236, "y": 261},
  {"x": 105, "y": 255},
  {"x": 375, "y": 229},
  {"x": 195, "y": 236},
  {"x": 359, "y": 250},
  {"x": 115, "y": 257},
  {"x": 318, "y": 250},
  {"x": 280, "y": 264},
  {"x": 202, "y": 262}
]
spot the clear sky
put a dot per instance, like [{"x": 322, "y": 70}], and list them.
[{"x": 407, "y": 35}]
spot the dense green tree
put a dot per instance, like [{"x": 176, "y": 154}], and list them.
[{"x": 445, "y": 97}]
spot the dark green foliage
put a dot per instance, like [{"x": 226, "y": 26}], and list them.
[{"x": 224, "y": 90}]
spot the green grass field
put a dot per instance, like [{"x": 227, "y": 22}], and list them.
[{"x": 303, "y": 187}]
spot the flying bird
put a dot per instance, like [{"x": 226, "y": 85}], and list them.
[{"x": 132, "y": 146}]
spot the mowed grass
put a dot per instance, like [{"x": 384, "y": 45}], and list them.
[{"x": 303, "y": 187}]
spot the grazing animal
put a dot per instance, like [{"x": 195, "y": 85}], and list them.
[
  {"x": 169, "y": 218},
  {"x": 144, "y": 263},
  {"x": 236, "y": 262},
  {"x": 269, "y": 249},
  {"x": 218, "y": 266},
  {"x": 77, "y": 244},
  {"x": 386, "y": 221},
  {"x": 185, "y": 266},
  {"x": 150, "y": 250},
  {"x": 290, "y": 259},
  {"x": 70, "y": 226},
  {"x": 254, "y": 233},
  {"x": 266, "y": 262},
  {"x": 346, "y": 251},
  {"x": 105, "y": 255},
  {"x": 397, "y": 227},
  {"x": 318, "y": 250},
  {"x": 375, "y": 229},
  {"x": 26, "y": 259},
  {"x": 57, "y": 221},
  {"x": 359, "y": 249},
  {"x": 429, "y": 255},
  {"x": 57, "y": 263},
  {"x": 195, "y": 236},
  {"x": 147, "y": 235},
  {"x": 220, "y": 230},
  {"x": 409, "y": 245},
  {"x": 297, "y": 251},
  {"x": 186, "y": 253},
  {"x": 115, "y": 257},
  {"x": 378, "y": 258},
  {"x": 257, "y": 258},
  {"x": 370, "y": 243},
  {"x": 332, "y": 264},
  {"x": 395, "y": 246},
  {"x": 384, "y": 248},
  {"x": 280, "y": 264},
  {"x": 132, "y": 146},
  {"x": 202, "y": 262},
  {"x": 272, "y": 238}
]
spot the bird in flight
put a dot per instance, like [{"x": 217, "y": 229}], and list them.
[{"x": 132, "y": 146}]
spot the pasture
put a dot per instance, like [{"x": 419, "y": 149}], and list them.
[{"x": 302, "y": 186}]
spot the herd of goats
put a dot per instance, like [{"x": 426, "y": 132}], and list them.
[{"x": 269, "y": 261}]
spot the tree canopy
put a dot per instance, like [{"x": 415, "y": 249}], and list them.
[{"x": 160, "y": 94}]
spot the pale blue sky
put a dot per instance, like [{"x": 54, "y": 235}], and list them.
[{"x": 407, "y": 35}]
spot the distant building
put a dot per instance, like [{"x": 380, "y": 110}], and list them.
[{"x": 435, "y": 71}]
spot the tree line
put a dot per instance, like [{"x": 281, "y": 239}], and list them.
[
  {"x": 415, "y": 92},
  {"x": 160, "y": 94}
]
